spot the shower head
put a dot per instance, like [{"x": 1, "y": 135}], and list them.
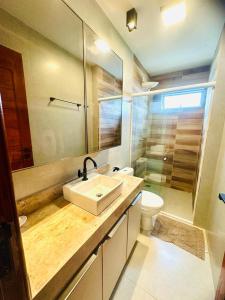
[{"x": 149, "y": 84}]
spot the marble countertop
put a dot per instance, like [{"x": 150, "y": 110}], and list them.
[{"x": 59, "y": 237}]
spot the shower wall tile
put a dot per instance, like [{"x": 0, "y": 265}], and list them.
[
  {"x": 179, "y": 134},
  {"x": 187, "y": 150},
  {"x": 183, "y": 77},
  {"x": 140, "y": 128},
  {"x": 171, "y": 141}
]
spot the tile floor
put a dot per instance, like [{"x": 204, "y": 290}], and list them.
[
  {"x": 177, "y": 203},
  {"x": 158, "y": 270}
]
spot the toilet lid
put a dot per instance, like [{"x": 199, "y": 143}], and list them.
[{"x": 150, "y": 200}]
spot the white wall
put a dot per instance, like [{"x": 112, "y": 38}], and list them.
[
  {"x": 214, "y": 130},
  {"x": 216, "y": 216},
  {"x": 32, "y": 180},
  {"x": 209, "y": 210}
]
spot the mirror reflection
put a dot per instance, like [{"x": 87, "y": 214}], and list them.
[
  {"x": 104, "y": 80},
  {"x": 41, "y": 59}
]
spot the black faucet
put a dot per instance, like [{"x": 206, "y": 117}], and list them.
[{"x": 84, "y": 173}]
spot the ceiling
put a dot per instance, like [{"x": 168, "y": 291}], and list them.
[
  {"x": 160, "y": 49},
  {"x": 52, "y": 19}
]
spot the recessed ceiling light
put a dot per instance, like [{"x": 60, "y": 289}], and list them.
[
  {"x": 102, "y": 45},
  {"x": 172, "y": 14},
  {"x": 131, "y": 19}
]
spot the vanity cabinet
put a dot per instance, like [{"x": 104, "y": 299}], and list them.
[
  {"x": 134, "y": 220},
  {"x": 87, "y": 284},
  {"x": 99, "y": 275},
  {"x": 114, "y": 256}
]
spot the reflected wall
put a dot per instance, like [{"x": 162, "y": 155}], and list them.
[{"x": 53, "y": 67}]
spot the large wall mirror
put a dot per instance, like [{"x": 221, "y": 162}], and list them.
[
  {"x": 41, "y": 58},
  {"x": 104, "y": 81},
  {"x": 42, "y": 84}
]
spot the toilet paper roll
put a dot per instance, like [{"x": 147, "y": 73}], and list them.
[{"x": 160, "y": 178}]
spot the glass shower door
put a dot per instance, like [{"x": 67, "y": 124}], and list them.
[
  {"x": 159, "y": 147},
  {"x": 151, "y": 154}
]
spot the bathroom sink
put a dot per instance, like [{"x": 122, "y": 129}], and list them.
[{"x": 95, "y": 194}]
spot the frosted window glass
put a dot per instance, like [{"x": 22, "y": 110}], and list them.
[{"x": 182, "y": 101}]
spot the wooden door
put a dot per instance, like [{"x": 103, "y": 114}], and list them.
[
  {"x": 13, "y": 278},
  {"x": 12, "y": 90},
  {"x": 220, "y": 293}
]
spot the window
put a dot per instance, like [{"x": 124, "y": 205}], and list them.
[{"x": 183, "y": 100}]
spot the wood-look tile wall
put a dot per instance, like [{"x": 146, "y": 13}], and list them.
[
  {"x": 166, "y": 145},
  {"x": 179, "y": 136},
  {"x": 110, "y": 123},
  {"x": 183, "y": 77},
  {"x": 106, "y": 115},
  {"x": 180, "y": 132},
  {"x": 140, "y": 114}
]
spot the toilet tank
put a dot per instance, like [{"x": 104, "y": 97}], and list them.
[{"x": 127, "y": 171}]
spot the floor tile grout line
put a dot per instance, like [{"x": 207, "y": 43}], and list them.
[
  {"x": 142, "y": 286},
  {"x": 139, "y": 286}
]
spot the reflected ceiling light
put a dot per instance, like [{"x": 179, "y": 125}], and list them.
[
  {"x": 172, "y": 14},
  {"x": 102, "y": 45},
  {"x": 53, "y": 66},
  {"x": 132, "y": 19}
]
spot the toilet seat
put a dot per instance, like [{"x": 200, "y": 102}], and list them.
[{"x": 151, "y": 201}]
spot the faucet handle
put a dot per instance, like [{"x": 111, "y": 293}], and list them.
[{"x": 80, "y": 174}]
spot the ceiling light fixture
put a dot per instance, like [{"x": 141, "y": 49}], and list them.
[
  {"x": 172, "y": 14},
  {"x": 102, "y": 45},
  {"x": 131, "y": 19}
]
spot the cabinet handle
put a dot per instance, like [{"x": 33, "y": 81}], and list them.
[
  {"x": 138, "y": 197},
  {"x": 75, "y": 281},
  {"x": 116, "y": 227}
]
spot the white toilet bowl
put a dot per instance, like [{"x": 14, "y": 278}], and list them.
[{"x": 151, "y": 204}]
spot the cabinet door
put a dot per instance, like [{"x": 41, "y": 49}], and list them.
[
  {"x": 87, "y": 284},
  {"x": 114, "y": 256},
  {"x": 134, "y": 219}
]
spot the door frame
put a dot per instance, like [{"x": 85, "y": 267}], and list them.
[
  {"x": 14, "y": 282},
  {"x": 12, "y": 62},
  {"x": 220, "y": 292}
]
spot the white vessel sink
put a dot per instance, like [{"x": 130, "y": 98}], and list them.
[{"x": 95, "y": 194}]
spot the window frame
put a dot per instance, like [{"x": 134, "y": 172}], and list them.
[{"x": 203, "y": 92}]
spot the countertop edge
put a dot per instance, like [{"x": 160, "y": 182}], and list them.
[{"x": 61, "y": 279}]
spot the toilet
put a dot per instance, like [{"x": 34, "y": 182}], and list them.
[{"x": 151, "y": 204}]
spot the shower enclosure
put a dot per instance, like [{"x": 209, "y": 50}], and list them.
[{"x": 166, "y": 145}]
